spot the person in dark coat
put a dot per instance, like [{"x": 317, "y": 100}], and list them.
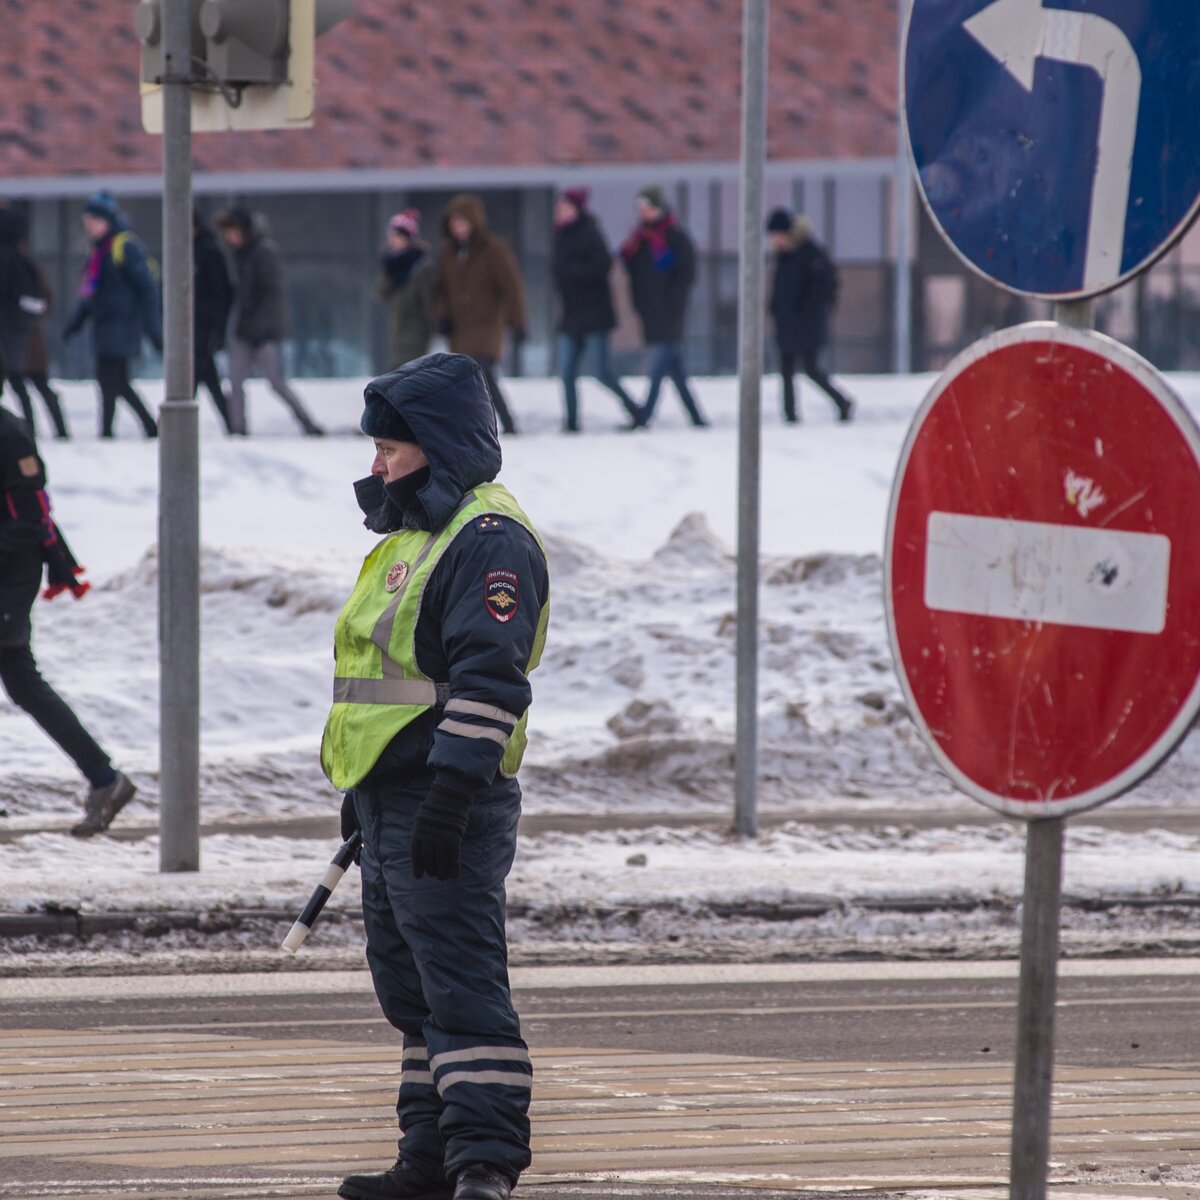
[
  {"x": 803, "y": 293},
  {"x": 118, "y": 295},
  {"x": 211, "y": 304},
  {"x": 407, "y": 273},
  {"x": 425, "y": 737},
  {"x": 24, "y": 299},
  {"x": 582, "y": 263},
  {"x": 37, "y": 363},
  {"x": 260, "y": 317},
  {"x": 479, "y": 293},
  {"x": 31, "y": 544},
  {"x": 661, "y": 261}
]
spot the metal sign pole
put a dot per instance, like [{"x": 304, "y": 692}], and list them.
[
  {"x": 750, "y": 364},
  {"x": 179, "y": 497},
  {"x": 1035, "y": 1010},
  {"x": 1038, "y": 988},
  {"x": 902, "y": 225}
]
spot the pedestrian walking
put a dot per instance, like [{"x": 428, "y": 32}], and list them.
[
  {"x": 260, "y": 317},
  {"x": 24, "y": 301},
  {"x": 32, "y": 545},
  {"x": 582, "y": 264},
  {"x": 803, "y": 295},
  {"x": 405, "y": 282},
  {"x": 212, "y": 300},
  {"x": 661, "y": 261},
  {"x": 425, "y": 738},
  {"x": 119, "y": 296},
  {"x": 479, "y": 292},
  {"x": 37, "y": 363}
]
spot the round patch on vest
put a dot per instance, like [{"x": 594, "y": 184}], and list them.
[
  {"x": 397, "y": 574},
  {"x": 502, "y": 594}
]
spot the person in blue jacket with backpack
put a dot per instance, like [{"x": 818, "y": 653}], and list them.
[{"x": 119, "y": 296}]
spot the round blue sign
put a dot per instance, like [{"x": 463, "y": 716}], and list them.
[{"x": 1056, "y": 146}]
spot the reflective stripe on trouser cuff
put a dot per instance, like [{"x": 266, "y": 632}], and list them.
[
  {"x": 348, "y": 690},
  {"x": 475, "y": 731},
  {"x": 416, "y": 1077},
  {"x": 482, "y": 1054},
  {"x": 482, "y": 710},
  {"x": 416, "y": 1053},
  {"x": 504, "y": 1078}
]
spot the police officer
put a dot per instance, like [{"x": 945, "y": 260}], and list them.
[
  {"x": 433, "y": 651},
  {"x": 31, "y": 543}
]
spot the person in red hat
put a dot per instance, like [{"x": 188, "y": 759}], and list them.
[
  {"x": 582, "y": 263},
  {"x": 407, "y": 273}
]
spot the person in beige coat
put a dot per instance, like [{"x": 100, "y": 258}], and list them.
[{"x": 478, "y": 293}]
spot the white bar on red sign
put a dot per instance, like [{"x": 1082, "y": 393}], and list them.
[{"x": 1054, "y": 574}]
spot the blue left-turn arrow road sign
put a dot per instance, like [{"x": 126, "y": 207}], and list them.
[{"x": 1056, "y": 142}]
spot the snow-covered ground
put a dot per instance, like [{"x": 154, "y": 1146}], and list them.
[{"x": 633, "y": 711}]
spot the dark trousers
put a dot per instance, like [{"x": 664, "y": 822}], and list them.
[
  {"x": 488, "y": 366},
  {"x": 13, "y": 344},
  {"x": 439, "y": 960},
  {"x": 50, "y": 398},
  {"x": 666, "y": 360},
  {"x": 206, "y": 373},
  {"x": 28, "y": 690},
  {"x": 112, "y": 374},
  {"x": 573, "y": 350},
  {"x": 810, "y": 360}
]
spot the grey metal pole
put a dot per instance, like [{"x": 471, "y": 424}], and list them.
[
  {"x": 902, "y": 208},
  {"x": 1035, "y": 1010},
  {"x": 750, "y": 367},
  {"x": 179, "y": 492},
  {"x": 1030, "y": 1157}
]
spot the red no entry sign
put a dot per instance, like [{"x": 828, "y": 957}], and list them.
[{"x": 1042, "y": 585}]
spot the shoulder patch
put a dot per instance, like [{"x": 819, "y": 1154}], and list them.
[
  {"x": 28, "y": 466},
  {"x": 502, "y": 594},
  {"x": 489, "y": 523}
]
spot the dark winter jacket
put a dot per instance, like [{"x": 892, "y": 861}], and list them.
[
  {"x": 802, "y": 294},
  {"x": 581, "y": 268},
  {"x": 37, "y": 358},
  {"x": 479, "y": 289},
  {"x": 20, "y": 279},
  {"x": 29, "y": 538},
  {"x": 118, "y": 295},
  {"x": 405, "y": 283},
  {"x": 213, "y": 292},
  {"x": 445, "y": 401},
  {"x": 662, "y": 268},
  {"x": 260, "y": 299}
]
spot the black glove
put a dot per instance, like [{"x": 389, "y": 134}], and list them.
[
  {"x": 350, "y": 824},
  {"x": 439, "y": 827}
]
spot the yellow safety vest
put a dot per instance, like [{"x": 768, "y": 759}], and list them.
[{"x": 378, "y": 689}]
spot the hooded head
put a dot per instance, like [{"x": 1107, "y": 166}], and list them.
[
  {"x": 407, "y": 223},
  {"x": 469, "y": 207},
  {"x": 788, "y": 231},
  {"x": 441, "y": 403},
  {"x": 652, "y": 197}
]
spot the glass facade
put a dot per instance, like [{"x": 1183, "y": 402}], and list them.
[{"x": 331, "y": 241}]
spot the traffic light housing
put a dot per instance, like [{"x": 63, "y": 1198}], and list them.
[{"x": 253, "y": 61}]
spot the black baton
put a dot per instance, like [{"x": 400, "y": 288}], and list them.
[{"x": 339, "y": 865}]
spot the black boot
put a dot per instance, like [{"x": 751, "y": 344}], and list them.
[
  {"x": 401, "y": 1182},
  {"x": 481, "y": 1182}
]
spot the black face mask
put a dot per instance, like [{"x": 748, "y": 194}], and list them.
[{"x": 390, "y": 507}]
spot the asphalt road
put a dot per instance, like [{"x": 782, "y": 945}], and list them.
[{"x": 752, "y": 1081}]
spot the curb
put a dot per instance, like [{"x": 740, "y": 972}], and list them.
[{"x": 156, "y": 923}]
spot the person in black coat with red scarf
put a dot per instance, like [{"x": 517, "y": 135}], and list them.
[
  {"x": 661, "y": 262},
  {"x": 803, "y": 294},
  {"x": 31, "y": 544},
  {"x": 581, "y": 267}
]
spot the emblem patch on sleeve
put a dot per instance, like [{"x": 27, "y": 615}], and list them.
[
  {"x": 397, "y": 574},
  {"x": 28, "y": 466},
  {"x": 502, "y": 594}
]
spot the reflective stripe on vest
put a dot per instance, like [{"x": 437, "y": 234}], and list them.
[{"x": 379, "y": 689}]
